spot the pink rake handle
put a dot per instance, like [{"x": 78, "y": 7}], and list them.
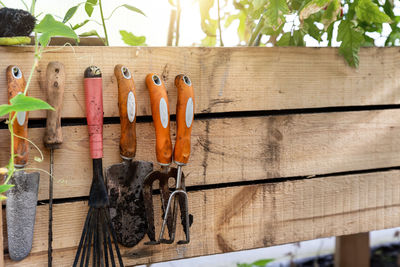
[{"x": 94, "y": 115}]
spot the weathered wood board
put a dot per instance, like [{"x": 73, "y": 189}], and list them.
[
  {"x": 245, "y": 217},
  {"x": 225, "y": 79},
  {"x": 235, "y": 155},
  {"x": 238, "y": 149}
]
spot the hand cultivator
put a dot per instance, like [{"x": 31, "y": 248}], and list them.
[{"x": 184, "y": 117}]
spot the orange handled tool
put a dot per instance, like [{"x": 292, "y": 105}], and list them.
[
  {"x": 127, "y": 110},
  {"x": 184, "y": 119},
  {"x": 160, "y": 112},
  {"x": 16, "y": 85}
]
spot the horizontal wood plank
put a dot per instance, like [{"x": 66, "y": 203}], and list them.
[
  {"x": 246, "y": 217},
  {"x": 238, "y": 149},
  {"x": 224, "y": 79}
]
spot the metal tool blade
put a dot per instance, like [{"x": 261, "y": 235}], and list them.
[
  {"x": 124, "y": 186},
  {"x": 21, "y": 211}
]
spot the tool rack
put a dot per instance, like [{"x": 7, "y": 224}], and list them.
[{"x": 288, "y": 144}]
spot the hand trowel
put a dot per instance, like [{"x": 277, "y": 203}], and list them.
[
  {"x": 22, "y": 198},
  {"x": 125, "y": 180}
]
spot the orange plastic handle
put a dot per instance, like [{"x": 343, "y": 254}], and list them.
[
  {"x": 160, "y": 112},
  {"x": 16, "y": 85},
  {"x": 184, "y": 119},
  {"x": 127, "y": 111}
]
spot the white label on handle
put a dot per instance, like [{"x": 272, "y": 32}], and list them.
[
  {"x": 21, "y": 116},
  {"x": 189, "y": 112},
  {"x": 163, "y": 113},
  {"x": 130, "y": 106}
]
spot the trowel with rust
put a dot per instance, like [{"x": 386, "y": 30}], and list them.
[
  {"x": 22, "y": 198},
  {"x": 125, "y": 180}
]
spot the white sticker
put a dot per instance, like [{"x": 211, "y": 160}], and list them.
[
  {"x": 189, "y": 112},
  {"x": 130, "y": 106},
  {"x": 163, "y": 113},
  {"x": 21, "y": 117}
]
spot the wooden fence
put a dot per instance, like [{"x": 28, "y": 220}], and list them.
[{"x": 289, "y": 144}]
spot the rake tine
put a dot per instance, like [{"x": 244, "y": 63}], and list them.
[
  {"x": 114, "y": 239},
  {"x": 95, "y": 238},
  {"x": 98, "y": 242},
  {"x": 105, "y": 245},
  {"x": 86, "y": 243},
  {"x": 165, "y": 195},
  {"x": 83, "y": 238},
  {"x": 90, "y": 240},
  {"x": 110, "y": 248},
  {"x": 183, "y": 204}
]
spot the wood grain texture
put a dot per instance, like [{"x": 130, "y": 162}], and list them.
[
  {"x": 246, "y": 217},
  {"x": 237, "y": 149},
  {"x": 352, "y": 250},
  {"x": 224, "y": 79}
]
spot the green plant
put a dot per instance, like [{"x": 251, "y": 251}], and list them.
[
  {"x": 89, "y": 5},
  {"x": 258, "y": 263},
  {"x": 286, "y": 23},
  {"x": 48, "y": 27}
]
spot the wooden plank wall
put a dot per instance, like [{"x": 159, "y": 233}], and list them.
[{"x": 289, "y": 144}]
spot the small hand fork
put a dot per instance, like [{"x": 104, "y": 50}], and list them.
[{"x": 184, "y": 120}]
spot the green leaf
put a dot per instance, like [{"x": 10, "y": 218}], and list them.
[
  {"x": 230, "y": 19},
  {"x": 369, "y": 12},
  {"x": 263, "y": 262},
  {"x": 134, "y": 9},
  {"x": 89, "y": 6},
  {"x": 312, "y": 7},
  {"x": 259, "y": 3},
  {"x": 275, "y": 11},
  {"x": 310, "y": 27},
  {"x": 21, "y": 103},
  {"x": 284, "y": 40},
  {"x": 329, "y": 31},
  {"x": 15, "y": 40},
  {"x": 393, "y": 36},
  {"x": 351, "y": 38},
  {"x": 90, "y": 33},
  {"x": 70, "y": 13},
  {"x": 4, "y": 188},
  {"x": 209, "y": 41},
  {"x": 49, "y": 27},
  {"x": 133, "y": 40},
  {"x": 77, "y": 26},
  {"x": 331, "y": 13}
]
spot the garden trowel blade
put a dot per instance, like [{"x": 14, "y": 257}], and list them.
[
  {"x": 124, "y": 185},
  {"x": 20, "y": 212}
]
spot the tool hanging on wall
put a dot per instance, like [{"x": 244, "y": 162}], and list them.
[
  {"x": 160, "y": 113},
  {"x": 98, "y": 231},
  {"x": 54, "y": 84},
  {"x": 22, "y": 198},
  {"x": 125, "y": 180}
]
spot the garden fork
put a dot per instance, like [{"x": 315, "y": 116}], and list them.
[{"x": 184, "y": 115}]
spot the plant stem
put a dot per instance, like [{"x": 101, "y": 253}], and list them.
[
  {"x": 221, "y": 43},
  {"x": 104, "y": 24},
  {"x": 1, "y": 3},
  {"x": 178, "y": 21},
  {"x": 171, "y": 27},
  {"x": 256, "y": 31},
  {"x": 32, "y": 10}
]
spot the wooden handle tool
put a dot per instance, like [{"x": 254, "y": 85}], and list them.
[
  {"x": 55, "y": 84},
  {"x": 127, "y": 111},
  {"x": 184, "y": 119},
  {"x": 160, "y": 113},
  {"x": 16, "y": 85}
]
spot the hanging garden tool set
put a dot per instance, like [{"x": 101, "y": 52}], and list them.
[{"x": 121, "y": 208}]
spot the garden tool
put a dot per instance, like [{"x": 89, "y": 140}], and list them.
[
  {"x": 98, "y": 233},
  {"x": 184, "y": 120},
  {"x": 125, "y": 180},
  {"x": 53, "y": 138},
  {"x": 22, "y": 198},
  {"x": 160, "y": 112}
]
